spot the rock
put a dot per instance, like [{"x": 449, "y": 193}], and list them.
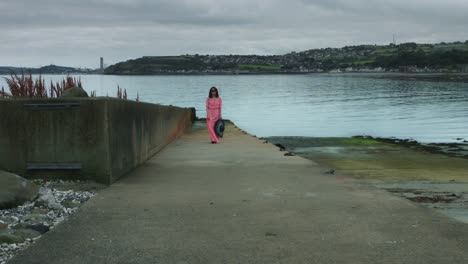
[
  {"x": 435, "y": 197},
  {"x": 8, "y": 238},
  {"x": 193, "y": 114},
  {"x": 20, "y": 226},
  {"x": 281, "y": 147},
  {"x": 15, "y": 190},
  {"x": 3, "y": 225},
  {"x": 27, "y": 233},
  {"x": 38, "y": 227},
  {"x": 40, "y": 211},
  {"x": 41, "y": 228},
  {"x": 270, "y": 234},
  {"x": 74, "y": 92},
  {"x": 78, "y": 186},
  {"x": 70, "y": 204},
  {"x": 35, "y": 218},
  {"x": 47, "y": 199}
]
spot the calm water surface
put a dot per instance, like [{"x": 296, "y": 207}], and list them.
[{"x": 309, "y": 105}]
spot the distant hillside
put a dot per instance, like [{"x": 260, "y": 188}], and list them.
[
  {"x": 8, "y": 70},
  {"x": 403, "y": 57},
  {"x": 50, "y": 69}
]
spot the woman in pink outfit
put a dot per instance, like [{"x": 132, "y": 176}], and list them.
[{"x": 213, "y": 113}]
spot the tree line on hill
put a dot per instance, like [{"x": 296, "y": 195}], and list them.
[
  {"x": 430, "y": 57},
  {"x": 449, "y": 57}
]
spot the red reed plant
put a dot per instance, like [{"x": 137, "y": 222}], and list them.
[
  {"x": 40, "y": 89},
  {"x": 54, "y": 91},
  {"x": 121, "y": 94},
  {"x": 4, "y": 94},
  {"x": 70, "y": 82},
  {"x": 26, "y": 86},
  {"x": 66, "y": 84}
]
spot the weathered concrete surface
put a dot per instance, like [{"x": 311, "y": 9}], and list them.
[
  {"x": 448, "y": 198},
  {"x": 245, "y": 202},
  {"x": 107, "y": 137},
  {"x": 406, "y": 169},
  {"x": 74, "y": 135}
]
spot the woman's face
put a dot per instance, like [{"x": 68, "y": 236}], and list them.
[{"x": 213, "y": 91}]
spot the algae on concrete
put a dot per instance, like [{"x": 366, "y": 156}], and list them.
[
  {"x": 407, "y": 170},
  {"x": 371, "y": 159}
]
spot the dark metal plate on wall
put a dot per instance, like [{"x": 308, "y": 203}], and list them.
[
  {"x": 53, "y": 166},
  {"x": 48, "y": 106}
]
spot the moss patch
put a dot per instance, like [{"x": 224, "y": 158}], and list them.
[
  {"x": 360, "y": 141},
  {"x": 365, "y": 158}
]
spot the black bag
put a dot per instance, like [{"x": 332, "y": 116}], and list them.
[{"x": 219, "y": 128}]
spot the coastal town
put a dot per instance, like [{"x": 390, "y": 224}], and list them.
[
  {"x": 405, "y": 57},
  {"x": 450, "y": 57}
]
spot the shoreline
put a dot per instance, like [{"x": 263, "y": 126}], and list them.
[
  {"x": 427, "y": 77},
  {"x": 456, "y": 77},
  {"x": 451, "y": 149},
  {"x": 432, "y": 175}
]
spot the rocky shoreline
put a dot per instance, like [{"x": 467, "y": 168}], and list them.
[
  {"x": 57, "y": 200},
  {"x": 427, "y": 77},
  {"x": 456, "y": 149}
]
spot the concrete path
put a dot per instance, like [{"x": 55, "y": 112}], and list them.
[{"x": 245, "y": 202}]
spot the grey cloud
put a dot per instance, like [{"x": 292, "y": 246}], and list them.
[
  {"x": 397, "y": 10},
  {"x": 76, "y": 33},
  {"x": 115, "y": 13}
]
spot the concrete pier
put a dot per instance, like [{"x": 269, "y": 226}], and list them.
[{"x": 244, "y": 201}]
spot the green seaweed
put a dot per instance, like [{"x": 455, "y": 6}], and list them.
[{"x": 360, "y": 141}]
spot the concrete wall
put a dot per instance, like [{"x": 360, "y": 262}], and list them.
[
  {"x": 137, "y": 131},
  {"x": 106, "y": 137}
]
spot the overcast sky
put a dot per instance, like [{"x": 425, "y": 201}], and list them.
[{"x": 76, "y": 33}]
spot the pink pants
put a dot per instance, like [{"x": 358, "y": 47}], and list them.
[
  {"x": 210, "y": 125},
  {"x": 213, "y": 113}
]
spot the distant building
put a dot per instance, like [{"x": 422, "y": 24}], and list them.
[{"x": 102, "y": 64}]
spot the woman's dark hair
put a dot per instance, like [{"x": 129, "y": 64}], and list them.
[{"x": 211, "y": 89}]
